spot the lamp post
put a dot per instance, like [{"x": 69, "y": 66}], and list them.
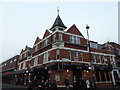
[{"x": 91, "y": 62}]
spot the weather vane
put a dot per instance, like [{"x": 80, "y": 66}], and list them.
[{"x": 58, "y": 10}]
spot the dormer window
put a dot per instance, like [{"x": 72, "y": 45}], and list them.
[
  {"x": 93, "y": 45},
  {"x": 45, "y": 42},
  {"x": 78, "y": 40},
  {"x": 74, "y": 39}
]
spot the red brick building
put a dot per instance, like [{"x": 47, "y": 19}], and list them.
[
  {"x": 63, "y": 53},
  {"x": 9, "y": 68},
  {"x": 116, "y": 65}
]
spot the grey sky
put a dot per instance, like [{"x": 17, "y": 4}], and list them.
[{"x": 23, "y": 22}]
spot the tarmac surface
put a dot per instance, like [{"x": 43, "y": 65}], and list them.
[{"x": 21, "y": 87}]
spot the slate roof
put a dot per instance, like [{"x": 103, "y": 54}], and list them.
[{"x": 58, "y": 22}]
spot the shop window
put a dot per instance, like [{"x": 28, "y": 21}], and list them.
[
  {"x": 107, "y": 75},
  {"x": 102, "y": 76},
  {"x": 97, "y": 77}
]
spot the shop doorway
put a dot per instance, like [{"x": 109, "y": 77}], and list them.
[{"x": 77, "y": 75}]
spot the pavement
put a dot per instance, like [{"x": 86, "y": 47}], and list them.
[{"x": 6, "y": 86}]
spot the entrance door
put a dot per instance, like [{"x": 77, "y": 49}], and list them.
[{"x": 77, "y": 74}]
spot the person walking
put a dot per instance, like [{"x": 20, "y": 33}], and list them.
[
  {"x": 53, "y": 85},
  {"x": 30, "y": 85},
  {"x": 75, "y": 86},
  {"x": 88, "y": 84},
  {"x": 66, "y": 82},
  {"x": 46, "y": 85},
  {"x": 41, "y": 85}
]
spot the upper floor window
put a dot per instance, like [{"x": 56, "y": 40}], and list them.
[
  {"x": 74, "y": 39},
  {"x": 75, "y": 54},
  {"x": 71, "y": 39},
  {"x": 69, "y": 55},
  {"x": 11, "y": 61},
  {"x": 36, "y": 47},
  {"x": 99, "y": 59},
  {"x": 45, "y": 57},
  {"x": 35, "y": 61},
  {"x": 58, "y": 54},
  {"x": 81, "y": 56},
  {"x": 93, "y": 45},
  {"x": 15, "y": 60},
  {"x": 45, "y": 42},
  {"x": 60, "y": 36},
  {"x": 54, "y": 37},
  {"x": 118, "y": 51},
  {"x": 78, "y": 40}
]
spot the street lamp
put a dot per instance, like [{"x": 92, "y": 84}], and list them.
[{"x": 89, "y": 49}]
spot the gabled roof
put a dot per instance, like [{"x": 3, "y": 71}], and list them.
[
  {"x": 74, "y": 30},
  {"x": 21, "y": 51},
  {"x": 47, "y": 33},
  {"x": 58, "y": 22},
  {"x": 37, "y": 40}
]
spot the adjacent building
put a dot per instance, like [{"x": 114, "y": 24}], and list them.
[{"x": 9, "y": 68}]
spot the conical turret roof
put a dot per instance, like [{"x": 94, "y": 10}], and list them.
[{"x": 58, "y": 22}]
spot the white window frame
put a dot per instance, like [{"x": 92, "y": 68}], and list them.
[
  {"x": 69, "y": 55},
  {"x": 75, "y": 54},
  {"x": 75, "y": 39},
  {"x": 54, "y": 37},
  {"x": 45, "y": 57},
  {"x": 23, "y": 65},
  {"x": 78, "y": 40},
  {"x": 60, "y": 36},
  {"x": 35, "y": 61},
  {"x": 99, "y": 59},
  {"x": 81, "y": 56},
  {"x": 58, "y": 53}
]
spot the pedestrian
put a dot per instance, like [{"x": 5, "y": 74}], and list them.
[
  {"x": 53, "y": 85},
  {"x": 66, "y": 82},
  {"x": 75, "y": 86},
  {"x": 88, "y": 84},
  {"x": 41, "y": 85},
  {"x": 30, "y": 85},
  {"x": 46, "y": 85}
]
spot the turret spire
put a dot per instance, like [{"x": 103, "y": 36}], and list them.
[{"x": 58, "y": 23}]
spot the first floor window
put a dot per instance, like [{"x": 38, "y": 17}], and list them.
[
  {"x": 75, "y": 54},
  {"x": 45, "y": 57},
  {"x": 69, "y": 55},
  {"x": 58, "y": 54},
  {"x": 81, "y": 56},
  {"x": 35, "y": 61}
]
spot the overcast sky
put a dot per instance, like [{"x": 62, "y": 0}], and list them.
[{"x": 21, "y": 22}]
